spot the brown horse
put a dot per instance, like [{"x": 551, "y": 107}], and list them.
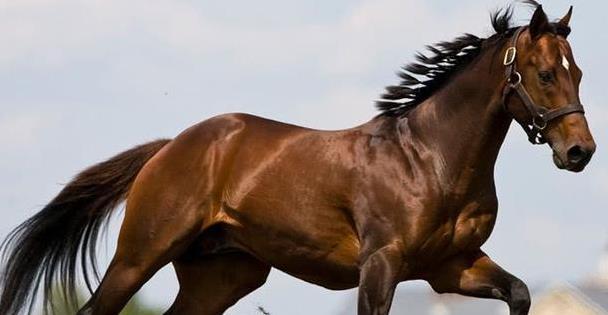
[{"x": 408, "y": 195}]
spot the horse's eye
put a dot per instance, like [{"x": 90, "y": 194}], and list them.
[{"x": 546, "y": 77}]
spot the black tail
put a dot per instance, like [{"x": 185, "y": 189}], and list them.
[{"x": 52, "y": 244}]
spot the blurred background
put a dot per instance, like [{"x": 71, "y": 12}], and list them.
[{"x": 81, "y": 80}]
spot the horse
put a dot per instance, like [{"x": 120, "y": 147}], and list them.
[{"x": 409, "y": 195}]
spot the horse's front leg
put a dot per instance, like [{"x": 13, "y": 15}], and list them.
[
  {"x": 475, "y": 274},
  {"x": 379, "y": 275}
]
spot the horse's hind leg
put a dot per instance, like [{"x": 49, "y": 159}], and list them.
[
  {"x": 152, "y": 235},
  {"x": 209, "y": 286}
]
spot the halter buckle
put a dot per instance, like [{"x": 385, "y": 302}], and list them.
[
  {"x": 535, "y": 122},
  {"x": 513, "y": 83},
  {"x": 510, "y": 55}
]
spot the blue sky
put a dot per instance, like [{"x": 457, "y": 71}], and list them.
[{"x": 83, "y": 80}]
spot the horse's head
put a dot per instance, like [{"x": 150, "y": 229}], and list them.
[{"x": 543, "y": 90}]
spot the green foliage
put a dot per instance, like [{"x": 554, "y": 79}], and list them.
[{"x": 134, "y": 307}]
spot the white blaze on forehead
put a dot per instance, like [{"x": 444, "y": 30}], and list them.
[{"x": 565, "y": 63}]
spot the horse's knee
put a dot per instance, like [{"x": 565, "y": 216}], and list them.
[{"x": 519, "y": 300}]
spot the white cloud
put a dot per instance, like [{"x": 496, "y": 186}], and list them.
[
  {"x": 22, "y": 129},
  {"x": 55, "y": 32}
]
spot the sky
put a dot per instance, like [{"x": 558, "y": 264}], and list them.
[{"x": 83, "y": 80}]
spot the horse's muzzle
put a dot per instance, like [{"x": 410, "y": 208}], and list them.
[{"x": 575, "y": 158}]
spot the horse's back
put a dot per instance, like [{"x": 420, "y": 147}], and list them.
[
  {"x": 222, "y": 127},
  {"x": 196, "y": 166}
]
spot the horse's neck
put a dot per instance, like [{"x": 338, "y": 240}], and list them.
[{"x": 464, "y": 124}]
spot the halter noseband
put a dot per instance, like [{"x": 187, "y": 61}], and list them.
[{"x": 541, "y": 116}]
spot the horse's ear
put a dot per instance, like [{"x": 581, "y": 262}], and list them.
[
  {"x": 563, "y": 25},
  {"x": 539, "y": 23},
  {"x": 565, "y": 21}
]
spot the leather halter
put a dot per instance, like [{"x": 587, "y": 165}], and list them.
[{"x": 541, "y": 115}]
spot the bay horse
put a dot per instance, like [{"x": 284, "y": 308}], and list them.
[{"x": 407, "y": 195}]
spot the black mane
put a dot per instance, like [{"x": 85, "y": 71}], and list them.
[{"x": 423, "y": 78}]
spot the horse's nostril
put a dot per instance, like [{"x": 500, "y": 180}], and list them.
[{"x": 576, "y": 154}]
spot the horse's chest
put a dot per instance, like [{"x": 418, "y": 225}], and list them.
[
  {"x": 466, "y": 229},
  {"x": 472, "y": 227}
]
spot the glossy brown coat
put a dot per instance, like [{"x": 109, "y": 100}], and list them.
[{"x": 398, "y": 198}]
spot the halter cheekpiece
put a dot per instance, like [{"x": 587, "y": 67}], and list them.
[{"x": 541, "y": 115}]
